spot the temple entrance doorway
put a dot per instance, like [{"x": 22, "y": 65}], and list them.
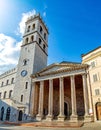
[{"x": 66, "y": 110}]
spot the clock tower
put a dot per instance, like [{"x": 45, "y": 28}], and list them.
[{"x": 33, "y": 58}]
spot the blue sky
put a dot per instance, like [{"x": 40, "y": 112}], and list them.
[{"x": 74, "y": 28}]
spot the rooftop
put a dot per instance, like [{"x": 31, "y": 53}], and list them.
[{"x": 91, "y": 51}]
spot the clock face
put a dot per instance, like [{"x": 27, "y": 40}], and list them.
[{"x": 23, "y": 73}]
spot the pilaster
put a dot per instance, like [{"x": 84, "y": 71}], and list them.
[{"x": 87, "y": 117}]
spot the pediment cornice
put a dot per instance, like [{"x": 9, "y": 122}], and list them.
[{"x": 59, "y": 68}]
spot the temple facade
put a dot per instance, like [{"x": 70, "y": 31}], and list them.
[
  {"x": 66, "y": 91},
  {"x": 60, "y": 91}
]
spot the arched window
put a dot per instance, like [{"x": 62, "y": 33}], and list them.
[
  {"x": 41, "y": 30},
  {"x": 12, "y": 81},
  {"x": 20, "y": 115},
  {"x": 26, "y": 41},
  {"x": 10, "y": 93},
  {"x": 40, "y": 41},
  {"x": 7, "y": 82},
  {"x": 28, "y": 29},
  {"x": 8, "y": 113},
  {"x": 25, "y": 62},
  {"x": 44, "y": 47},
  {"x": 32, "y": 38},
  {"x": 98, "y": 110},
  {"x": 2, "y": 113},
  {"x": 5, "y": 94},
  {"x": 33, "y": 26},
  {"x": 21, "y": 98},
  {"x": 26, "y": 85},
  {"x": 45, "y": 36}
]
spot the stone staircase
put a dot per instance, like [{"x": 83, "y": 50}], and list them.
[{"x": 44, "y": 123}]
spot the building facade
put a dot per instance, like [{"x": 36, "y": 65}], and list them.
[
  {"x": 61, "y": 91},
  {"x": 93, "y": 59}
]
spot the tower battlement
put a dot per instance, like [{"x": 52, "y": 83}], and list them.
[{"x": 37, "y": 16}]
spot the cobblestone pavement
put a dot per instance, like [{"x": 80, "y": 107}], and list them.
[{"x": 88, "y": 126}]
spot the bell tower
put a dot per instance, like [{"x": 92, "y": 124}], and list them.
[
  {"x": 33, "y": 58},
  {"x": 34, "y": 46}
]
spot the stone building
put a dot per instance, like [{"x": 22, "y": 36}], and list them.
[
  {"x": 93, "y": 59},
  {"x": 7, "y": 83},
  {"x": 61, "y": 91}
]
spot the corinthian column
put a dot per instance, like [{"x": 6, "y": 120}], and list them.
[
  {"x": 73, "y": 100},
  {"x": 32, "y": 103},
  {"x": 50, "y": 101},
  {"x": 41, "y": 96},
  {"x": 86, "y": 99},
  {"x": 61, "y": 98}
]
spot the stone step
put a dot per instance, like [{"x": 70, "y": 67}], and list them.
[{"x": 48, "y": 124}]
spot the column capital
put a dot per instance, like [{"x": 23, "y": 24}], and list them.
[
  {"x": 41, "y": 82},
  {"x": 61, "y": 77},
  {"x": 84, "y": 75},
  {"x": 50, "y": 79},
  {"x": 72, "y": 76}
]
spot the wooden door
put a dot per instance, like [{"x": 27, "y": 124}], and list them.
[{"x": 99, "y": 112}]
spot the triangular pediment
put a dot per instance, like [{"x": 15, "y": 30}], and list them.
[{"x": 60, "y": 67}]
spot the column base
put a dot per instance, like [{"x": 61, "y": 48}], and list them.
[
  {"x": 39, "y": 117},
  {"x": 88, "y": 118},
  {"x": 61, "y": 117},
  {"x": 73, "y": 118},
  {"x": 49, "y": 118}
]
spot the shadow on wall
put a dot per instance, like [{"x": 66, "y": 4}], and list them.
[{"x": 13, "y": 114}]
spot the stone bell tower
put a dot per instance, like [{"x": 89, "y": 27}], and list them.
[{"x": 33, "y": 58}]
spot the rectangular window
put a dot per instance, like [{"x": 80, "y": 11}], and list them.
[
  {"x": 41, "y": 29},
  {"x": 2, "y": 84},
  {"x": 7, "y": 82},
  {"x": 95, "y": 78},
  {"x": 5, "y": 94},
  {"x": 26, "y": 85},
  {"x": 10, "y": 93},
  {"x": 97, "y": 92},
  {"x": 12, "y": 81},
  {"x": 45, "y": 36},
  {"x": 21, "y": 98},
  {"x": 93, "y": 64},
  {"x": 0, "y": 95}
]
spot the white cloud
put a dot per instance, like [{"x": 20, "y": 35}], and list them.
[
  {"x": 45, "y": 8},
  {"x": 10, "y": 48},
  {"x": 25, "y": 16},
  {"x": 9, "y": 51},
  {"x": 44, "y": 14}
]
